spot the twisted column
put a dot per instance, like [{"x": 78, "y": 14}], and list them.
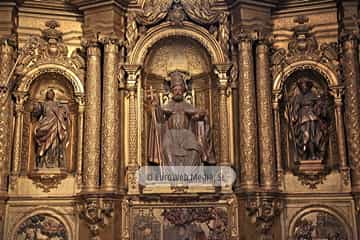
[
  {"x": 7, "y": 60},
  {"x": 265, "y": 117},
  {"x": 92, "y": 117},
  {"x": 247, "y": 116},
  {"x": 110, "y": 120},
  {"x": 350, "y": 64}
]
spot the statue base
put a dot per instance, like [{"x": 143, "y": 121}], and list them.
[
  {"x": 311, "y": 166},
  {"x": 48, "y": 178}
]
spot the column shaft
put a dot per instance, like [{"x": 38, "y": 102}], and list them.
[
  {"x": 92, "y": 118},
  {"x": 265, "y": 118},
  {"x": 7, "y": 59},
  {"x": 350, "y": 63},
  {"x": 247, "y": 116},
  {"x": 110, "y": 120}
]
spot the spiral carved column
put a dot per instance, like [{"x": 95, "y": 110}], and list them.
[
  {"x": 110, "y": 120},
  {"x": 247, "y": 116},
  {"x": 92, "y": 118},
  {"x": 350, "y": 66},
  {"x": 265, "y": 118},
  {"x": 7, "y": 59}
]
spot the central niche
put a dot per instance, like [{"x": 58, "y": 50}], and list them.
[{"x": 190, "y": 57}]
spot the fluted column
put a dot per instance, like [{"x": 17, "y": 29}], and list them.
[
  {"x": 222, "y": 71},
  {"x": 133, "y": 73},
  {"x": 80, "y": 99},
  {"x": 92, "y": 117},
  {"x": 110, "y": 120},
  {"x": 350, "y": 64},
  {"x": 265, "y": 117},
  {"x": 7, "y": 60},
  {"x": 20, "y": 98},
  {"x": 247, "y": 116}
]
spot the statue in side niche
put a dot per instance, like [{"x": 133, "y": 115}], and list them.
[
  {"x": 308, "y": 117},
  {"x": 51, "y": 132},
  {"x": 179, "y": 132}
]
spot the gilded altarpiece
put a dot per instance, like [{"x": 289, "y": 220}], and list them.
[{"x": 266, "y": 92}]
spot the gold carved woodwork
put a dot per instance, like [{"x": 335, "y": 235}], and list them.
[
  {"x": 265, "y": 117},
  {"x": 263, "y": 210},
  {"x": 304, "y": 54},
  {"x": 6, "y": 60},
  {"x": 110, "y": 112},
  {"x": 97, "y": 213},
  {"x": 350, "y": 64},
  {"x": 222, "y": 72},
  {"x": 132, "y": 86},
  {"x": 92, "y": 117},
  {"x": 247, "y": 114}
]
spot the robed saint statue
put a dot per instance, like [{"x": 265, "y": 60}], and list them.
[
  {"x": 51, "y": 132},
  {"x": 180, "y": 133}
]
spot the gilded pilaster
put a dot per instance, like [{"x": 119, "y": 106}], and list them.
[
  {"x": 222, "y": 72},
  {"x": 279, "y": 164},
  {"x": 80, "y": 99},
  {"x": 350, "y": 64},
  {"x": 133, "y": 73},
  {"x": 247, "y": 116},
  {"x": 110, "y": 120},
  {"x": 20, "y": 98},
  {"x": 7, "y": 59},
  {"x": 338, "y": 93},
  {"x": 92, "y": 117},
  {"x": 265, "y": 118}
]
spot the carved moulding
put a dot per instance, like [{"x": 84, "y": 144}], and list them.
[
  {"x": 263, "y": 209},
  {"x": 97, "y": 212}
]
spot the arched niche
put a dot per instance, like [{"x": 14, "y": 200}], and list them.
[
  {"x": 68, "y": 95},
  {"x": 41, "y": 225},
  {"x": 320, "y": 90},
  {"x": 319, "y": 222},
  {"x": 188, "y": 55}
]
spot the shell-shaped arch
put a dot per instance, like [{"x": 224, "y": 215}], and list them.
[
  {"x": 33, "y": 74},
  {"x": 166, "y": 30},
  {"x": 280, "y": 79}
]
